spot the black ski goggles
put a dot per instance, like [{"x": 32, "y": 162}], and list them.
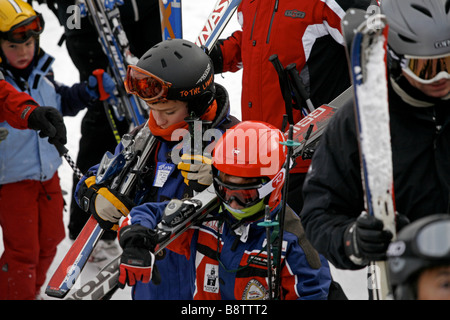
[
  {"x": 146, "y": 85},
  {"x": 427, "y": 70},
  {"x": 22, "y": 31},
  {"x": 432, "y": 241}
]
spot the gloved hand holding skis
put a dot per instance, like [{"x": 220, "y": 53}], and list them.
[
  {"x": 107, "y": 206},
  {"x": 137, "y": 260},
  {"x": 196, "y": 170},
  {"x": 365, "y": 240},
  {"x": 101, "y": 86}
]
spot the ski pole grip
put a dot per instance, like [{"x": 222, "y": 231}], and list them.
[{"x": 98, "y": 73}]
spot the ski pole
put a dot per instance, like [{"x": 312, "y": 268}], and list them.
[
  {"x": 62, "y": 150},
  {"x": 268, "y": 223},
  {"x": 298, "y": 85},
  {"x": 98, "y": 73},
  {"x": 290, "y": 143}
]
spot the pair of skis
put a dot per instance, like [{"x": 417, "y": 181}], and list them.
[{"x": 367, "y": 59}]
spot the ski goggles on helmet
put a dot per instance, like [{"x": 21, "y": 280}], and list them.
[
  {"x": 22, "y": 31},
  {"x": 427, "y": 70},
  {"x": 246, "y": 195},
  {"x": 146, "y": 85},
  {"x": 432, "y": 241}
]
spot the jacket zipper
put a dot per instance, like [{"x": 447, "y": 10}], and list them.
[{"x": 275, "y": 9}]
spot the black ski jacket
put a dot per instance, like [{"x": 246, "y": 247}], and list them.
[{"x": 420, "y": 133}]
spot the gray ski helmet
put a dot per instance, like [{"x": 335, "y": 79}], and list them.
[
  {"x": 422, "y": 244},
  {"x": 187, "y": 67},
  {"x": 418, "y": 28}
]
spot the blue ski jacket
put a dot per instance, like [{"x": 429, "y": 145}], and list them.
[{"x": 231, "y": 264}]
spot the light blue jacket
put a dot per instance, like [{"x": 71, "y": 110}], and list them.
[{"x": 23, "y": 154}]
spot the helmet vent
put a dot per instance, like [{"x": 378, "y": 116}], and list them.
[
  {"x": 163, "y": 63},
  {"x": 422, "y": 9},
  {"x": 178, "y": 55},
  {"x": 447, "y": 6},
  {"x": 406, "y": 39}
]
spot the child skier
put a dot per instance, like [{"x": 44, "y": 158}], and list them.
[
  {"x": 176, "y": 79},
  {"x": 229, "y": 248},
  {"x": 31, "y": 202}
]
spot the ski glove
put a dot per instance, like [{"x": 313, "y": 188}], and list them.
[
  {"x": 101, "y": 86},
  {"x": 196, "y": 170},
  {"x": 365, "y": 240},
  {"x": 107, "y": 206},
  {"x": 3, "y": 134},
  {"x": 49, "y": 122},
  {"x": 137, "y": 260}
]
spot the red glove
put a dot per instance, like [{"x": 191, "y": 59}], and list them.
[{"x": 137, "y": 261}]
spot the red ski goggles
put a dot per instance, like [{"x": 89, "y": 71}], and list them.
[
  {"x": 22, "y": 31},
  {"x": 428, "y": 70},
  {"x": 246, "y": 195},
  {"x": 146, "y": 85}
]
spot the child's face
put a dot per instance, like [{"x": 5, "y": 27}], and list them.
[
  {"x": 19, "y": 55},
  {"x": 169, "y": 112},
  {"x": 434, "y": 284}
]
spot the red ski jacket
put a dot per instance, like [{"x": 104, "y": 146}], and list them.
[
  {"x": 15, "y": 106},
  {"x": 306, "y": 33}
]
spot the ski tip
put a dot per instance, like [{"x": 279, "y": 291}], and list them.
[{"x": 55, "y": 292}]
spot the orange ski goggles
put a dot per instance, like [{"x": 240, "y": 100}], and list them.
[
  {"x": 428, "y": 70},
  {"x": 22, "y": 31},
  {"x": 146, "y": 85}
]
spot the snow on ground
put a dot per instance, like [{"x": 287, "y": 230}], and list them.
[{"x": 195, "y": 13}]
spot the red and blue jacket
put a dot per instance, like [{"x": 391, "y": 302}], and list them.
[{"x": 231, "y": 264}]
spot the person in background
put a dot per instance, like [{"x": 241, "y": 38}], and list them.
[
  {"x": 31, "y": 201},
  {"x": 307, "y": 33},
  {"x": 419, "y": 260}
]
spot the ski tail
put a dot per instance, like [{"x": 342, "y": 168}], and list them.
[
  {"x": 171, "y": 19},
  {"x": 74, "y": 261},
  {"x": 369, "y": 76},
  {"x": 217, "y": 21}
]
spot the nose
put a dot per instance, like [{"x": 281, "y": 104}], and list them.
[{"x": 159, "y": 118}]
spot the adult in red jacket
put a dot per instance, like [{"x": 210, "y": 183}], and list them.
[
  {"x": 306, "y": 33},
  {"x": 22, "y": 112}
]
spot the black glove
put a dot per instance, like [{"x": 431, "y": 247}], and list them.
[
  {"x": 365, "y": 240},
  {"x": 50, "y": 123},
  {"x": 137, "y": 261},
  {"x": 107, "y": 206}
]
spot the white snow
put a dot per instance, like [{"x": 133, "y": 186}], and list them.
[{"x": 195, "y": 13}]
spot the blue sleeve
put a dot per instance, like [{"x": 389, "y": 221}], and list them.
[
  {"x": 309, "y": 283},
  {"x": 148, "y": 214},
  {"x": 74, "y": 98}
]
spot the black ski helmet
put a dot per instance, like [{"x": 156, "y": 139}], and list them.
[
  {"x": 187, "y": 67},
  {"x": 422, "y": 244}
]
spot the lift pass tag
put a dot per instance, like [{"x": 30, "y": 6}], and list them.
[{"x": 163, "y": 171}]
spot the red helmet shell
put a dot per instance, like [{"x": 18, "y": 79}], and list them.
[{"x": 252, "y": 149}]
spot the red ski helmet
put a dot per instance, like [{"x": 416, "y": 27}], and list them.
[{"x": 252, "y": 149}]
